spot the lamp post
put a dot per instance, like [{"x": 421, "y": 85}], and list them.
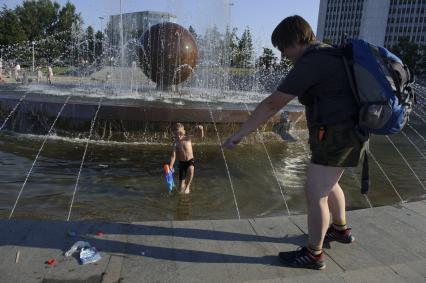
[
  {"x": 33, "y": 54},
  {"x": 102, "y": 38},
  {"x": 121, "y": 35},
  {"x": 122, "y": 45}
]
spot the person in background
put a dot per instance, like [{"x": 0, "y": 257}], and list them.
[
  {"x": 17, "y": 70},
  {"x": 49, "y": 74},
  {"x": 39, "y": 74}
]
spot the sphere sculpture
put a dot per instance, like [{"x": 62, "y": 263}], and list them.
[{"x": 168, "y": 54}]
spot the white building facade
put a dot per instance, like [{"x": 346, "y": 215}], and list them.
[
  {"x": 380, "y": 22},
  {"x": 141, "y": 20}
]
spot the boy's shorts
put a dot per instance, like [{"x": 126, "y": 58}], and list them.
[
  {"x": 339, "y": 147},
  {"x": 183, "y": 167}
]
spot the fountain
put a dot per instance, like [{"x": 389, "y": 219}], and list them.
[{"x": 168, "y": 55}]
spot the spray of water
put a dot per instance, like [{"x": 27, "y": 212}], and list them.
[
  {"x": 38, "y": 154},
  {"x": 83, "y": 158}
]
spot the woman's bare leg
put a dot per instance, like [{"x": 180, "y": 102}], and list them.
[
  {"x": 337, "y": 206},
  {"x": 320, "y": 182}
]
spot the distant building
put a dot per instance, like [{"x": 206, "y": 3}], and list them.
[
  {"x": 381, "y": 22},
  {"x": 134, "y": 24},
  {"x": 137, "y": 22}
]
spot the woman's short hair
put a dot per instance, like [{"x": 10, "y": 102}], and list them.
[{"x": 292, "y": 30}]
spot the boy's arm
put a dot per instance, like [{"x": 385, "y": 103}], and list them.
[
  {"x": 173, "y": 157},
  {"x": 199, "y": 131}
]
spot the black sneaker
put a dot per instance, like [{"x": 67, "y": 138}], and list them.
[
  {"x": 342, "y": 236},
  {"x": 302, "y": 258}
]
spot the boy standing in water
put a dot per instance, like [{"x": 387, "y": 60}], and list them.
[{"x": 182, "y": 148}]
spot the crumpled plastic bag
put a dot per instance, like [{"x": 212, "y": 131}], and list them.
[{"x": 88, "y": 254}]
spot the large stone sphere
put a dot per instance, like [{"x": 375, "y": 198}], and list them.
[{"x": 168, "y": 54}]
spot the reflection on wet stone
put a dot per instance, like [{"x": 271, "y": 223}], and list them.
[{"x": 184, "y": 207}]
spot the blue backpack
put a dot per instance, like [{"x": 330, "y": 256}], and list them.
[{"x": 381, "y": 85}]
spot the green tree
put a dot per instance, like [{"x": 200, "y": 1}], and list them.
[
  {"x": 43, "y": 23},
  {"x": 67, "y": 16},
  {"x": 90, "y": 44},
  {"x": 284, "y": 65},
  {"x": 245, "y": 48},
  {"x": 69, "y": 24},
  {"x": 38, "y": 18},
  {"x": 11, "y": 31},
  {"x": 99, "y": 37},
  {"x": 267, "y": 60},
  {"x": 231, "y": 45},
  {"x": 409, "y": 53}
]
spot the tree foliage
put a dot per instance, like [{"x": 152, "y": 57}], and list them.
[
  {"x": 245, "y": 49},
  {"x": 38, "y": 19},
  {"x": 11, "y": 30},
  {"x": 43, "y": 24},
  {"x": 267, "y": 60},
  {"x": 409, "y": 53}
]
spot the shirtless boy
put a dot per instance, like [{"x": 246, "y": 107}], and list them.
[{"x": 182, "y": 149}]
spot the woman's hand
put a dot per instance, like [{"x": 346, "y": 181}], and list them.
[{"x": 232, "y": 141}]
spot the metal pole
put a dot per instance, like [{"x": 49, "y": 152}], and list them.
[
  {"x": 122, "y": 32},
  {"x": 102, "y": 38},
  {"x": 101, "y": 18},
  {"x": 33, "y": 55},
  {"x": 122, "y": 46}
]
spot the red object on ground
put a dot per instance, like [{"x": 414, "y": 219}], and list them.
[
  {"x": 51, "y": 261},
  {"x": 99, "y": 233}
]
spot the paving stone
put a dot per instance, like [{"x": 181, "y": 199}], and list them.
[{"x": 390, "y": 247}]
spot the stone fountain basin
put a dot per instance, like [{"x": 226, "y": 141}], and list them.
[{"x": 38, "y": 110}]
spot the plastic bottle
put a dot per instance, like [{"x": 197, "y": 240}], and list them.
[{"x": 76, "y": 246}]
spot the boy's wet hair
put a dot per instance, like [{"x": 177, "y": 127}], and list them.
[
  {"x": 179, "y": 126},
  {"x": 292, "y": 30}
]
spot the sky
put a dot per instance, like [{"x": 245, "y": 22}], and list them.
[{"x": 261, "y": 16}]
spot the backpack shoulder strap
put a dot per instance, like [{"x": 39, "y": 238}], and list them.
[
  {"x": 325, "y": 49},
  {"x": 365, "y": 176}
]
